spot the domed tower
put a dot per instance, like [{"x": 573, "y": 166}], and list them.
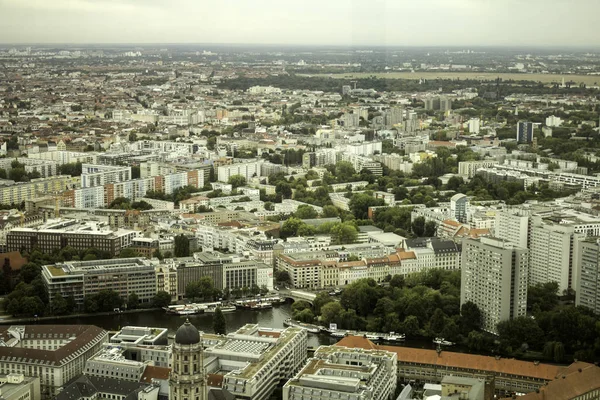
[{"x": 187, "y": 380}]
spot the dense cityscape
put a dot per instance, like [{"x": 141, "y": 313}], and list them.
[{"x": 195, "y": 222}]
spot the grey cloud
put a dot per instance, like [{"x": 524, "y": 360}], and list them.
[{"x": 374, "y": 22}]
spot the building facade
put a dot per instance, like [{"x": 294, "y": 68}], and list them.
[
  {"x": 81, "y": 279},
  {"x": 494, "y": 277},
  {"x": 53, "y": 353},
  {"x": 587, "y": 285},
  {"x": 336, "y": 372}
]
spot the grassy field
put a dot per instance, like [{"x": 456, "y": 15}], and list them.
[{"x": 589, "y": 80}]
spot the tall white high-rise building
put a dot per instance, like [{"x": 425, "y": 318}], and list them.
[
  {"x": 552, "y": 251},
  {"x": 512, "y": 225},
  {"x": 587, "y": 283},
  {"x": 474, "y": 124},
  {"x": 494, "y": 277}
]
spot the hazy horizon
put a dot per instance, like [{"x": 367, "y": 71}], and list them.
[{"x": 345, "y": 23}]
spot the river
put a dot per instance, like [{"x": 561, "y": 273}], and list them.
[{"x": 266, "y": 318}]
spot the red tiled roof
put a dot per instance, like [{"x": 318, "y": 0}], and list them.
[
  {"x": 84, "y": 334},
  {"x": 152, "y": 372},
  {"x": 576, "y": 380},
  {"x": 459, "y": 360},
  {"x": 214, "y": 380},
  {"x": 356, "y": 342}
]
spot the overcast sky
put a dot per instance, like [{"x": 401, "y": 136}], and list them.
[{"x": 326, "y": 22}]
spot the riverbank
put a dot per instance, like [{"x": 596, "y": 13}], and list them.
[{"x": 12, "y": 320}]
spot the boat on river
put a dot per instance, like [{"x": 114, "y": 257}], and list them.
[
  {"x": 442, "y": 342},
  {"x": 273, "y": 300},
  {"x": 224, "y": 309},
  {"x": 262, "y": 305},
  {"x": 297, "y": 324},
  {"x": 183, "y": 309},
  {"x": 391, "y": 337}
]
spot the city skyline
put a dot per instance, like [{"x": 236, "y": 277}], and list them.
[{"x": 383, "y": 23}]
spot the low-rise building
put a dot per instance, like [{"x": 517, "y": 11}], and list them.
[
  {"x": 247, "y": 364},
  {"x": 56, "y": 235},
  {"x": 53, "y": 353},
  {"x": 430, "y": 366},
  {"x": 80, "y": 279},
  {"x": 19, "y": 387},
  {"x": 337, "y": 372}
]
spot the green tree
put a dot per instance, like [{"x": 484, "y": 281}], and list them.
[
  {"x": 330, "y": 211},
  {"x": 219, "y": 324},
  {"x": 319, "y": 301},
  {"x": 236, "y": 181},
  {"x": 542, "y": 296},
  {"x": 418, "y": 226},
  {"x": 305, "y": 315},
  {"x": 29, "y": 272},
  {"x": 454, "y": 183},
  {"x": 283, "y": 277},
  {"x": 306, "y": 212},
  {"x": 470, "y": 317},
  {"x": 181, "y": 246},
  {"x": 397, "y": 281},
  {"x": 161, "y": 299},
  {"x": 344, "y": 233},
  {"x": 59, "y": 306},
  {"x": 521, "y": 330},
  {"x": 108, "y": 300},
  {"x": 360, "y": 202},
  {"x": 330, "y": 312},
  {"x": 290, "y": 227},
  {"x": 133, "y": 301},
  {"x": 285, "y": 189},
  {"x": 207, "y": 287},
  {"x": 128, "y": 252},
  {"x": 437, "y": 322},
  {"x": 430, "y": 229},
  {"x": 344, "y": 171},
  {"x": 559, "y": 352},
  {"x": 410, "y": 326},
  {"x": 193, "y": 291}
]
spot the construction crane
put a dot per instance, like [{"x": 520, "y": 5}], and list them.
[
  {"x": 21, "y": 218},
  {"x": 57, "y": 197}
]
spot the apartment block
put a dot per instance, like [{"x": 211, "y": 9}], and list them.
[
  {"x": 552, "y": 252},
  {"x": 23, "y": 191},
  {"x": 100, "y": 175},
  {"x": 469, "y": 169},
  {"x": 494, "y": 277},
  {"x": 587, "y": 284},
  {"x": 512, "y": 225},
  {"x": 245, "y": 169}
]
